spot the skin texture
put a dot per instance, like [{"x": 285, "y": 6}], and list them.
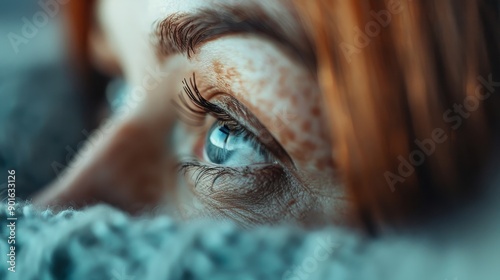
[{"x": 132, "y": 160}]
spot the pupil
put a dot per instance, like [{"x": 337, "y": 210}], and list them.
[{"x": 224, "y": 129}]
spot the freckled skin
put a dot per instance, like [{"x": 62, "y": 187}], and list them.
[
  {"x": 283, "y": 86},
  {"x": 285, "y": 98},
  {"x": 218, "y": 68},
  {"x": 133, "y": 166}
]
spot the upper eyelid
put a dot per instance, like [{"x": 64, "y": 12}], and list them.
[
  {"x": 235, "y": 109},
  {"x": 227, "y": 104},
  {"x": 223, "y": 186}
]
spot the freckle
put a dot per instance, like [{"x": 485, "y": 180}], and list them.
[
  {"x": 315, "y": 111},
  {"x": 309, "y": 145},
  {"x": 301, "y": 155},
  {"x": 217, "y": 67},
  {"x": 306, "y": 127},
  {"x": 291, "y": 137},
  {"x": 287, "y": 133},
  {"x": 231, "y": 73},
  {"x": 321, "y": 164}
]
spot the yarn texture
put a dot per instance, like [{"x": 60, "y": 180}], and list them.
[{"x": 104, "y": 243}]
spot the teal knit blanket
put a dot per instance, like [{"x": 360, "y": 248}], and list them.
[{"x": 104, "y": 243}]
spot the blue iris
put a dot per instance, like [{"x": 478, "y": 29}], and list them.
[{"x": 218, "y": 142}]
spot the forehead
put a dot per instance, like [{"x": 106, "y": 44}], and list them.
[
  {"x": 159, "y": 8},
  {"x": 131, "y": 24}
]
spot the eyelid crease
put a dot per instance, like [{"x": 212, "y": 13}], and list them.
[{"x": 241, "y": 114}]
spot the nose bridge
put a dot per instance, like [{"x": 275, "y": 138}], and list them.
[
  {"x": 124, "y": 167},
  {"x": 129, "y": 163}
]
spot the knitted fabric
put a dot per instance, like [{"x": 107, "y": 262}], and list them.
[{"x": 104, "y": 243}]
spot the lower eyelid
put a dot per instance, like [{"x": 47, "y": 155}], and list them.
[
  {"x": 260, "y": 193},
  {"x": 209, "y": 178}
]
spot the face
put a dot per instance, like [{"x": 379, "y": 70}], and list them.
[{"x": 219, "y": 115}]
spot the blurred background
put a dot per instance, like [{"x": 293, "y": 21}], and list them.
[{"x": 45, "y": 110}]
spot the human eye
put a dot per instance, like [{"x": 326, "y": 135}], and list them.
[
  {"x": 236, "y": 165},
  {"x": 227, "y": 142},
  {"x": 228, "y": 146}
]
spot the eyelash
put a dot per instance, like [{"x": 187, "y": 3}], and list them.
[
  {"x": 242, "y": 193},
  {"x": 196, "y": 117},
  {"x": 191, "y": 95}
]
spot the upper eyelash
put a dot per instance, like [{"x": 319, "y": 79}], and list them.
[
  {"x": 196, "y": 116},
  {"x": 241, "y": 188},
  {"x": 202, "y": 107}
]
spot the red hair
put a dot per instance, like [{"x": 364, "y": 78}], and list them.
[{"x": 392, "y": 74}]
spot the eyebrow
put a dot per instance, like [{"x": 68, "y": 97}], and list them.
[{"x": 186, "y": 32}]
